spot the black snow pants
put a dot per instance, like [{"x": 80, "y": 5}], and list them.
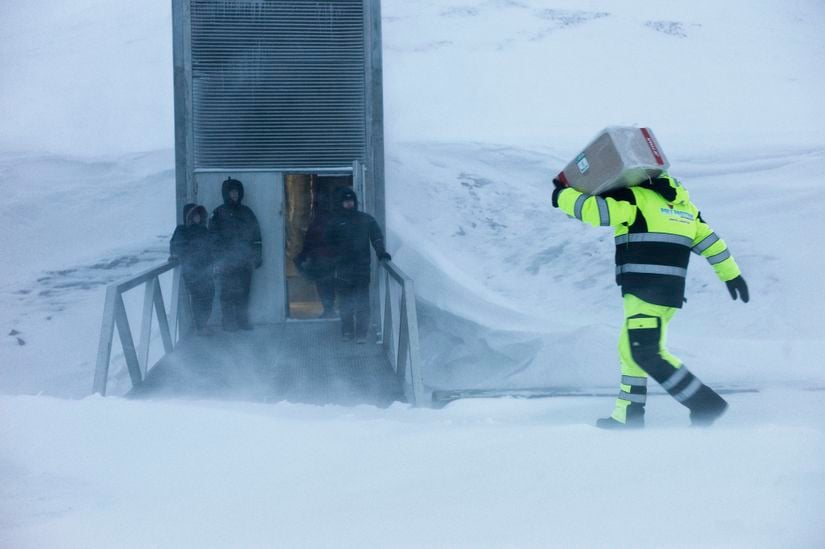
[
  {"x": 326, "y": 291},
  {"x": 235, "y": 284},
  {"x": 201, "y": 293},
  {"x": 354, "y": 306}
]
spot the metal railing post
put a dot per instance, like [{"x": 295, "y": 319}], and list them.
[
  {"x": 146, "y": 326},
  {"x": 115, "y": 317},
  {"x": 104, "y": 347},
  {"x": 163, "y": 321},
  {"x": 127, "y": 342},
  {"x": 387, "y": 336},
  {"x": 413, "y": 349},
  {"x": 403, "y": 344},
  {"x": 174, "y": 304},
  {"x": 404, "y": 357}
]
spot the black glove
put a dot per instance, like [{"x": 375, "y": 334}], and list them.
[
  {"x": 559, "y": 187},
  {"x": 738, "y": 285},
  {"x": 384, "y": 256}
]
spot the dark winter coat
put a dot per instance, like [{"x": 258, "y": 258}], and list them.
[
  {"x": 235, "y": 230},
  {"x": 350, "y": 233},
  {"x": 317, "y": 258},
  {"x": 192, "y": 244}
]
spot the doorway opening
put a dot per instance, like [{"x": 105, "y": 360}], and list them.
[{"x": 308, "y": 204}]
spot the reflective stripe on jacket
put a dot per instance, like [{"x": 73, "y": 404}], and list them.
[{"x": 656, "y": 228}]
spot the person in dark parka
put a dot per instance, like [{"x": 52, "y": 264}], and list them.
[
  {"x": 238, "y": 252},
  {"x": 350, "y": 234},
  {"x": 317, "y": 258},
  {"x": 192, "y": 246}
]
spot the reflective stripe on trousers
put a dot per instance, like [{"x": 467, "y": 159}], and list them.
[
  {"x": 631, "y": 397},
  {"x": 653, "y": 319}
]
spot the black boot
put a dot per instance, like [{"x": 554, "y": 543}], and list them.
[
  {"x": 634, "y": 419},
  {"x": 347, "y": 327},
  {"x": 228, "y": 316},
  {"x": 610, "y": 423},
  {"x": 242, "y": 314},
  {"x": 706, "y": 406}
]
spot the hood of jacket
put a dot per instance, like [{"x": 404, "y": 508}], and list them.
[
  {"x": 187, "y": 209},
  {"x": 228, "y": 185},
  {"x": 191, "y": 210},
  {"x": 668, "y": 188},
  {"x": 342, "y": 194}
]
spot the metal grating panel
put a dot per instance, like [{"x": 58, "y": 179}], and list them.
[{"x": 278, "y": 83}]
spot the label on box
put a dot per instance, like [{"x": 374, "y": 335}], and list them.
[
  {"x": 582, "y": 163},
  {"x": 653, "y": 148}
]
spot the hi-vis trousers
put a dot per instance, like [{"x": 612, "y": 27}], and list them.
[{"x": 643, "y": 353}]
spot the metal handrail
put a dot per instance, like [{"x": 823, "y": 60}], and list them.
[
  {"x": 398, "y": 328},
  {"x": 114, "y": 316},
  {"x": 399, "y": 331}
]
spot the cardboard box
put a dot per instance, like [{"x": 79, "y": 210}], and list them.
[{"x": 620, "y": 156}]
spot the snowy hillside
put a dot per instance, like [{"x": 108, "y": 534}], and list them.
[{"x": 485, "y": 100}]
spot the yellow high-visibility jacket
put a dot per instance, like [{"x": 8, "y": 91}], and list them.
[{"x": 656, "y": 228}]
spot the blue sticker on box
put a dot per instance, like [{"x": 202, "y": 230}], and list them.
[{"x": 582, "y": 163}]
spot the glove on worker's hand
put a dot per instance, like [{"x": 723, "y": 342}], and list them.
[
  {"x": 738, "y": 285},
  {"x": 384, "y": 257},
  {"x": 559, "y": 187}
]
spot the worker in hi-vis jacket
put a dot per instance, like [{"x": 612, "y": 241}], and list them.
[{"x": 656, "y": 228}]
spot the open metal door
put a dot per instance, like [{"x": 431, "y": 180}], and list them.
[{"x": 359, "y": 178}]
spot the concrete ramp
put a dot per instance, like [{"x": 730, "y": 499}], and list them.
[{"x": 301, "y": 361}]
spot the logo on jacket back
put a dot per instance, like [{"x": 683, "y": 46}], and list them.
[{"x": 677, "y": 215}]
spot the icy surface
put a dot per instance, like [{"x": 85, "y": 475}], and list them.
[{"x": 484, "y": 100}]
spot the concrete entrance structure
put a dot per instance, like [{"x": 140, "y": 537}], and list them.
[
  {"x": 278, "y": 94},
  {"x": 264, "y": 89}
]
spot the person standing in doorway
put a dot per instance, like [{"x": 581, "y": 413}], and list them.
[
  {"x": 191, "y": 245},
  {"x": 238, "y": 252},
  {"x": 317, "y": 258},
  {"x": 349, "y": 234}
]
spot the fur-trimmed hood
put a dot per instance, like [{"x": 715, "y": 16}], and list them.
[{"x": 191, "y": 210}]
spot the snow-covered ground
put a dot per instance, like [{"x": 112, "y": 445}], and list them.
[
  {"x": 508, "y": 473},
  {"x": 485, "y": 100}
]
